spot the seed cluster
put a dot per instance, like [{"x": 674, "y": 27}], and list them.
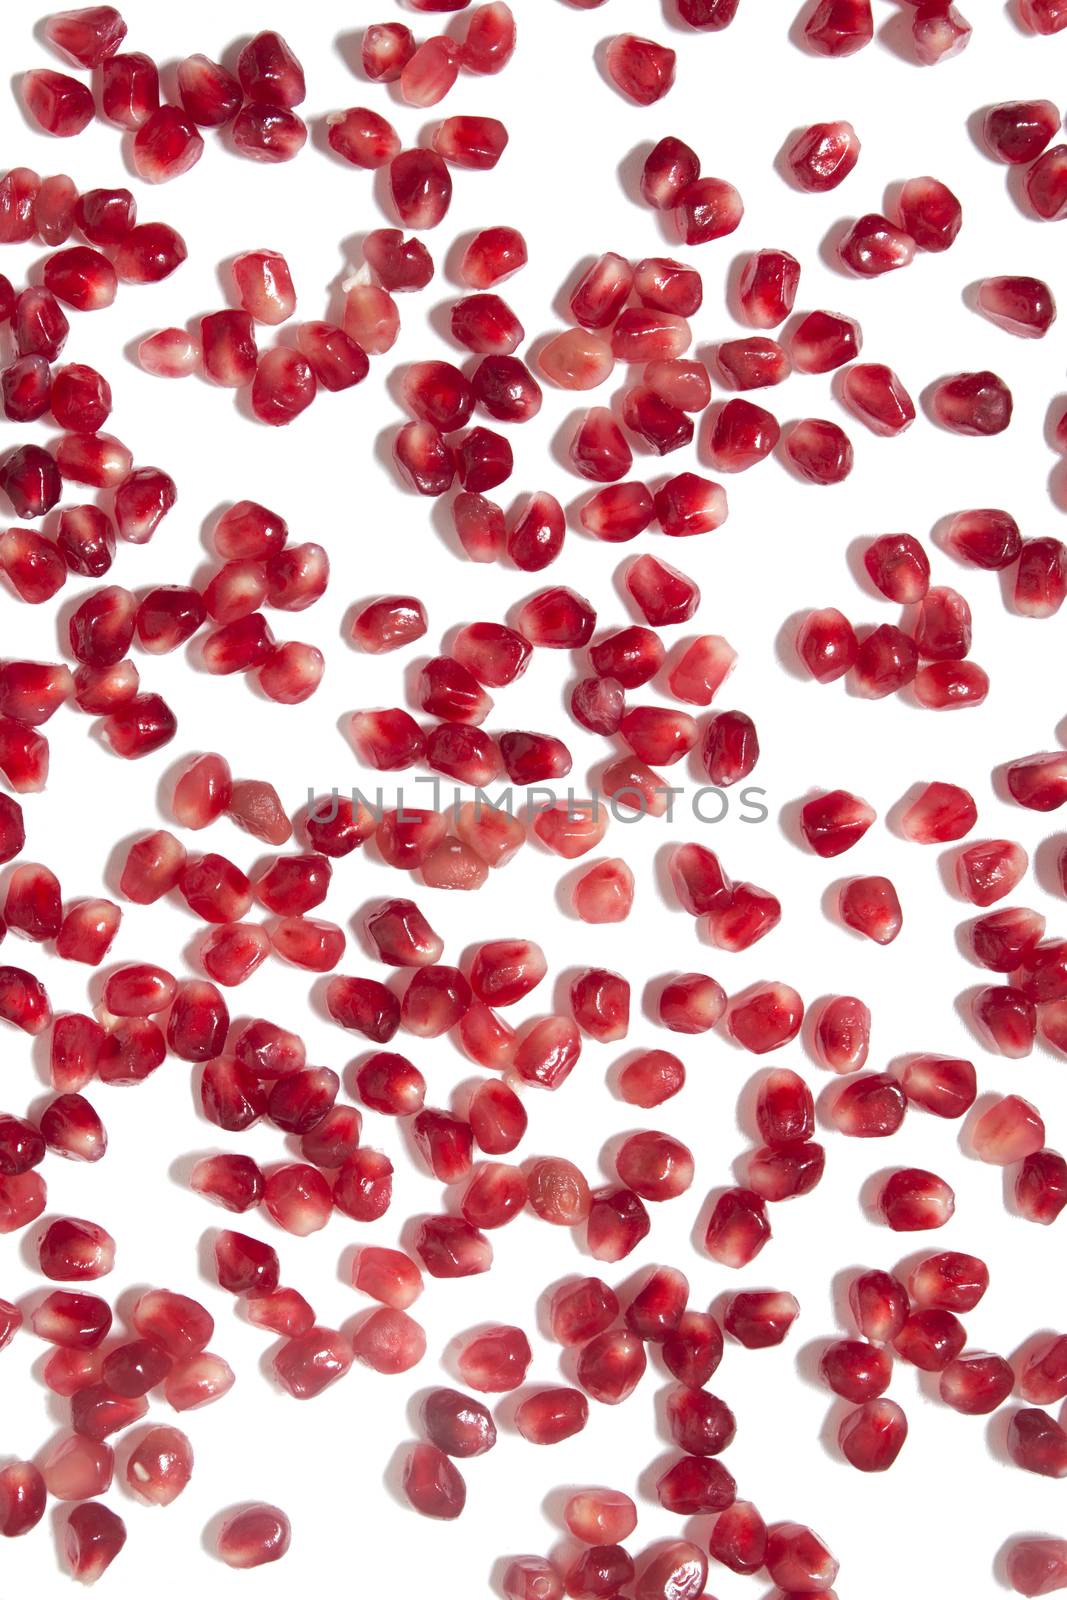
[{"x": 110, "y": 1363}]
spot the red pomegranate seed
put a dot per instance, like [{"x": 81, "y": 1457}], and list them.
[
  {"x": 389, "y": 1341},
  {"x": 856, "y": 1370},
  {"x": 765, "y": 1017},
  {"x": 129, "y": 89},
  {"x": 611, "y": 1365},
  {"x": 1006, "y": 1017},
  {"x": 171, "y": 353},
  {"x": 1038, "y": 1566},
  {"x": 738, "y": 1228},
  {"x": 284, "y": 386},
  {"x": 57, "y": 103},
  {"x": 912, "y": 1200},
  {"x": 478, "y": 143},
  {"x": 1039, "y": 782},
  {"x": 599, "y": 450},
  {"x": 824, "y": 340},
  {"x": 495, "y": 1361},
  {"x": 929, "y": 213},
  {"x": 820, "y": 451},
  {"x": 768, "y": 287},
  {"x": 255, "y": 1536},
  {"x": 873, "y": 246},
  {"x": 669, "y": 169},
  {"x": 1041, "y": 1186},
  {"x": 618, "y": 1221},
  {"x": 691, "y": 1003},
  {"x": 1037, "y": 1444},
  {"x": 785, "y": 1110},
  {"x": 760, "y": 1320},
  {"x": 821, "y": 157},
  {"x": 23, "y": 1496},
  {"x": 976, "y": 1383},
  {"x": 22, "y": 1200},
  {"x": 232, "y": 1181},
  {"x": 197, "y": 1380},
  {"x": 833, "y": 823},
  {"x": 27, "y": 389},
  {"x": 873, "y": 1436},
  {"x": 269, "y": 72},
  {"x": 160, "y": 1466},
  {"x": 1017, "y": 131},
  {"x": 871, "y": 907},
  {"x": 1009, "y": 1131},
  {"x": 886, "y": 661},
  {"x": 753, "y": 363},
  {"x": 898, "y": 567},
  {"x": 86, "y": 37},
  {"x": 31, "y": 480},
  {"x": 743, "y": 435},
  {"x": 1023, "y": 306},
  {"x": 640, "y": 69},
  {"x": 707, "y": 209},
  {"x": 796, "y": 1556},
  {"x": 941, "y": 813},
  {"x": 23, "y": 1000},
  {"x": 655, "y": 1166},
  {"x": 71, "y": 1250},
  {"x": 1005, "y": 939},
  {"x": 870, "y": 1107},
  {"x": 976, "y": 403},
  {"x": 166, "y": 145}
]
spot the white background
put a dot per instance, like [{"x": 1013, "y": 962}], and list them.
[{"x": 935, "y": 1524}]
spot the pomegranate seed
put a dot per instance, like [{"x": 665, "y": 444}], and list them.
[
  {"x": 797, "y": 1556},
  {"x": 22, "y": 1200},
  {"x": 269, "y": 72},
  {"x": 1039, "y": 782},
  {"x": 912, "y": 1200},
  {"x": 458, "y": 1424},
  {"x": 1037, "y": 1566},
  {"x": 478, "y": 143},
  {"x": 31, "y": 480},
  {"x": 555, "y": 619},
  {"x": 768, "y": 287},
  {"x": 364, "y": 1185},
  {"x": 898, "y": 567},
  {"x": 691, "y": 1003},
  {"x": 420, "y": 185},
  {"x": 833, "y": 823},
  {"x": 71, "y": 1250},
  {"x": 495, "y": 1361},
  {"x": 182, "y": 1326},
  {"x": 765, "y": 1017},
  {"x": 53, "y": 210},
  {"x": 618, "y": 1221},
  {"x": 976, "y": 1383},
  {"x": 59, "y": 104},
  {"x": 738, "y": 1228},
  {"x": 1041, "y": 1186},
  {"x": 27, "y": 389},
  {"x": 820, "y": 451},
  {"x": 23, "y": 1000},
  {"x": 870, "y": 1107},
  {"x": 873, "y": 246},
  {"x": 820, "y": 158},
  {"x": 950, "y": 685},
  {"x": 1006, "y": 1017},
  {"x": 873, "y": 1436},
  {"x": 1023, "y": 306},
  {"x": 1009, "y": 1131},
  {"x": 976, "y": 403},
  {"x": 166, "y": 145},
  {"x": 23, "y": 1496},
  {"x": 257, "y": 1535},
  {"x": 611, "y": 1365},
  {"x": 871, "y": 907},
  {"x": 87, "y": 540},
  {"x": 743, "y": 435},
  {"x": 760, "y": 1320},
  {"x": 856, "y": 1370},
  {"x": 77, "y": 1468},
  {"x": 929, "y": 213},
  {"x": 450, "y": 1247},
  {"x": 662, "y": 593},
  {"x": 130, "y": 89},
  {"x": 160, "y": 1466},
  {"x": 707, "y": 209},
  {"x": 640, "y": 69},
  {"x": 753, "y": 363}
]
